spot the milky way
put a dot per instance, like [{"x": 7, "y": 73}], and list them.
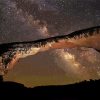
[{"x": 24, "y": 20}]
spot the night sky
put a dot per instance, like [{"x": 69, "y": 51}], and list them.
[{"x": 26, "y": 20}]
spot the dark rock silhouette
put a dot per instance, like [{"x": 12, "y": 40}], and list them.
[
  {"x": 1, "y": 78},
  {"x": 9, "y": 51},
  {"x": 78, "y": 91}
]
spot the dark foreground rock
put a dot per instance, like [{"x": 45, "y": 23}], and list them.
[{"x": 79, "y": 91}]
